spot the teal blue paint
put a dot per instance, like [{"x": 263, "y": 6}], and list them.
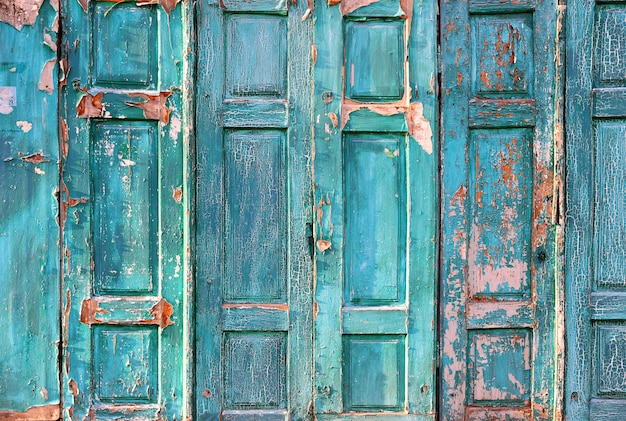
[
  {"x": 253, "y": 298},
  {"x": 497, "y": 290},
  {"x": 595, "y": 262},
  {"x": 29, "y": 234},
  {"x": 123, "y": 238},
  {"x": 376, "y": 212}
]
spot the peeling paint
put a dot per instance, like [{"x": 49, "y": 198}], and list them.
[
  {"x": 323, "y": 245},
  {"x": 90, "y": 106},
  {"x": 18, "y": 13},
  {"x": 47, "y": 40},
  {"x": 177, "y": 194},
  {"x": 349, "y": 6},
  {"x": 162, "y": 311},
  {"x": 89, "y": 311},
  {"x": 154, "y": 108},
  {"x": 175, "y": 126},
  {"x": 7, "y": 99},
  {"x": 46, "y": 81},
  {"x": 43, "y": 412},
  {"x": 24, "y": 125},
  {"x": 36, "y": 158},
  {"x": 168, "y": 5},
  {"x": 419, "y": 126}
]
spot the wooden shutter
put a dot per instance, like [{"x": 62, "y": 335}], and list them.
[
  {"x": 375, "y": 176},
  {"x": 498, "y": 245},
  {"x": 596, "y": 210},
  {"x": 122, "y": 210}
]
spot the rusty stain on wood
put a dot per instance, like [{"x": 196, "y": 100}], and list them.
[
  {"x": 177, "y": 194},
  {"x": 89, "y": 311},
  {"x": 154, "y": 108},
  {"x": 18, "y": 13},
  {"x": 36, "y": 158},
  {"x": 162, "y": 311},
  {"x": 43, "y": 412}
]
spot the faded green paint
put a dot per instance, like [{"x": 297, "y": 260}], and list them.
[
  {"x": 253, "y": 275},
  {"x": 375, "y": 210},
  {"x": 498, "y": 318},
  {"x": 596, "y": 211},
  {"x": 29, "y": 234},
  {"x": 122, "y": 211}
]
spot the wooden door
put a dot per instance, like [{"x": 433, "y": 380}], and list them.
[
  {"x": 29, "y": 234},
  {"x": 498, "y": 319},
  {"x": 375, "y": 161},
  {"x": 253, "y": 275},
  {"x": 122, "y": 210},
  {"x": 596, "y": 210}
]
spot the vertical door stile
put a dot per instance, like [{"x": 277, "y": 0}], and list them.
[
  {"x": 375, "y": 210},
  {"x": 595, "y": 273},
  {"x": 253, "y": 299},
  {"x": 498, "y": 252},
  {"x": 122, "y": 195}
]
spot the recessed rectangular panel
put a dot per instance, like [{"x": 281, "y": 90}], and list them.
[
  {"x": 125, "y": 183},
  {"x": 610, "y": 361},
  {"x": 375, "y": 219},
  {"x": 256, "y": 56},
  {"x": 501, "y": 193},
  {"x": 502, "y": 55},
  {"x": 500, "y": 362},
  {"x": 255, "y": 232},
  {"x": 610, "y": 198},
  {"x": 125, "y": 364},
  {"x": 255, "y": 370},
  {"x": 610, "y": 45},
  {"x": 124, "y": 45},
  {"x": 374, "y": 370},
  {"x": 374, "y": 60}
]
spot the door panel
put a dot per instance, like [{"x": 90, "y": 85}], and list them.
[
  {"x": 375, "y": 208},
  {"x": 122, "y": 198},
  {"x": 253, "y": 300},
  {"x": 498, "y": 257},
  {"x": 596, "y": 224},
  {"x": 29, "y": 234}
]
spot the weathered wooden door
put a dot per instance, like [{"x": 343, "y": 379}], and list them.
[
  {"x": 596, "y": 204},
  {"x": 375, "y": 160},
  {"x": 498, "y": 321},
  {"x": 121, "y": 213},
  {"x": 253, "y": 275}
]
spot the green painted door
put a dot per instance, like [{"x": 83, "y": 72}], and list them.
[
  {"x": 499, "y": 201},
  {"x": 121, "y": 210},
  {"x": 596, "y": 223},
  {"x": 253, "y": 275},
  {"x": 29, "y": 234},
  {"x": 375, "y": 228}
]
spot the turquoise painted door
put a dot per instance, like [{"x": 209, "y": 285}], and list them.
[
  {"x": 29, "y": 234},
  {"x": 596, "y": 223},
  {"x": 499, "y": 201},
  {"x": 253, "y": 209},
  {"x": 121, "y": 210},
  {"x": 375, "y": 162}
]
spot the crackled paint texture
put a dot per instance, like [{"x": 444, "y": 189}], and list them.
[
  {"x": 595, "y": 273},
  {"x": 29, "y": 234},
  {"x": 498, "y": 185}
]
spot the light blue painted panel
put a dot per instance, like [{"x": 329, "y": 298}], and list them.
[
  {"x": 256, "y": 55},
  {"x": 255, "y": 241},
  {"x": 609, "y": 376},
  {"x": 610, "y": 201},
  {"x": 375, "y": 219},
  {"x": 374, "y": 368},
  {"x": 374, "y": 60},
  {"x": 124, "y": 45},
  {"x": 255, "y": 367},
  {"x": 126, "y": 361},
  {"x": 609, "y": 64},
  {"x": 125, "y": 180}
]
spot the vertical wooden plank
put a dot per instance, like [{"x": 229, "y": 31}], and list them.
[
  {"x": 29, "y": 233},
  {"x": 498, "y": 248}
]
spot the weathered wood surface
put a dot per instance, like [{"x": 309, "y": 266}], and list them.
[
  {"x": 375, "y": 160},
  {"x": 254, "y": 281},
  {"x": 498, "y": 314},
  {"x": 122, "y": 204},
  {"x": 596, "y": 211},
  {"x": 29, "y": 234}
]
